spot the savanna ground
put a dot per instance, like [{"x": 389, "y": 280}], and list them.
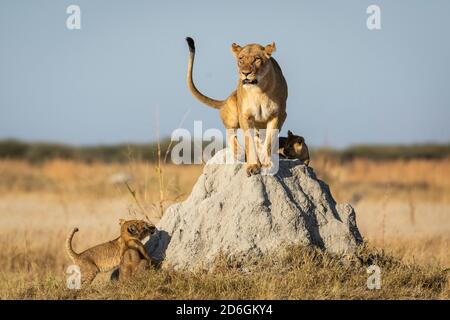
[{"x": 402, "y": 206}]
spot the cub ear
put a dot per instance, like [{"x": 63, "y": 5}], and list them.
[
  {"x": 121, "y": 221},
  {"x": 269, "y": 49},
  {"x": 235, "y": 48},
  {"x": 290, "y": 133}
]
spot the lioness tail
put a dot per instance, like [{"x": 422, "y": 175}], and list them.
[{"x": 217, "y": 104}]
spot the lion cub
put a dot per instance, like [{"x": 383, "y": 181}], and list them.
[
  {"x": 107, "y": 256},
  {"x": 293, "y": 147},
  {"x": 132, "y": 263}
]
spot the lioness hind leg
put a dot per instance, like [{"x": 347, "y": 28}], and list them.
[
  {"x": 258, "y": 144},
  {"x": 233, "y": 144},
  {"x": 273, "y": 127}
]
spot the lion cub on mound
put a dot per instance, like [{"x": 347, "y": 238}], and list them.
[
  {"x": 107, "y": 256},
  {"x": 293, "y": 147}
]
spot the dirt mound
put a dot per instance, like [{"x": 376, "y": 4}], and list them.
[{"x": 249, "y": 217}]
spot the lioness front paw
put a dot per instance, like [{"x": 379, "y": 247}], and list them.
[
  {"x": 268, "y": 164},
  {"x": 253, "y": 169}
]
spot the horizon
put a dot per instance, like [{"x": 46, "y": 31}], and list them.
[{"x": 167, "y": 138}]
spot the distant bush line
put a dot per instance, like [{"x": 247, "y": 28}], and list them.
[
  {"x": 39, "y": 152},
  {"x": 386, "y": 152}
]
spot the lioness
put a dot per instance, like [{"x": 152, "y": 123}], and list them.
[
  {"x": 259, "y": 102},
  {"x": 293, "y": 147},
  {"x": 107, "y": 256}
]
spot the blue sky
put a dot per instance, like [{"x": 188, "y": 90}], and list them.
[{"x": 109, "y": 81}]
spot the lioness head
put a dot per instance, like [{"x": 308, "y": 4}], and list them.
[
  {"x": 253, "y": 61},
  {"x": 136, "y": 228},
  {"x": 294, "y": 145}
]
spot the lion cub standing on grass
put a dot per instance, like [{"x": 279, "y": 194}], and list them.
[{"x": 107, "y": 256}]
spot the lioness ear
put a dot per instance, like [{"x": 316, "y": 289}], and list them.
[
  {"x": 289, "y": 133},
  {"x": 121, "y": 221},
  {"x": 269, "y": 49},
  {"x": 235, "y": 49}
]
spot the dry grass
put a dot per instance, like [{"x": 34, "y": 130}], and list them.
[
  {"x": 402, "y": 208},
  {"x": 298, "y": 273}
]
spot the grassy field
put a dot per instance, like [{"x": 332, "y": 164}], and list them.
[{"x": 402, "y": 206}]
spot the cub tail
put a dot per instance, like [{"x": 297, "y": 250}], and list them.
[{"x": 72, "y": 254}]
